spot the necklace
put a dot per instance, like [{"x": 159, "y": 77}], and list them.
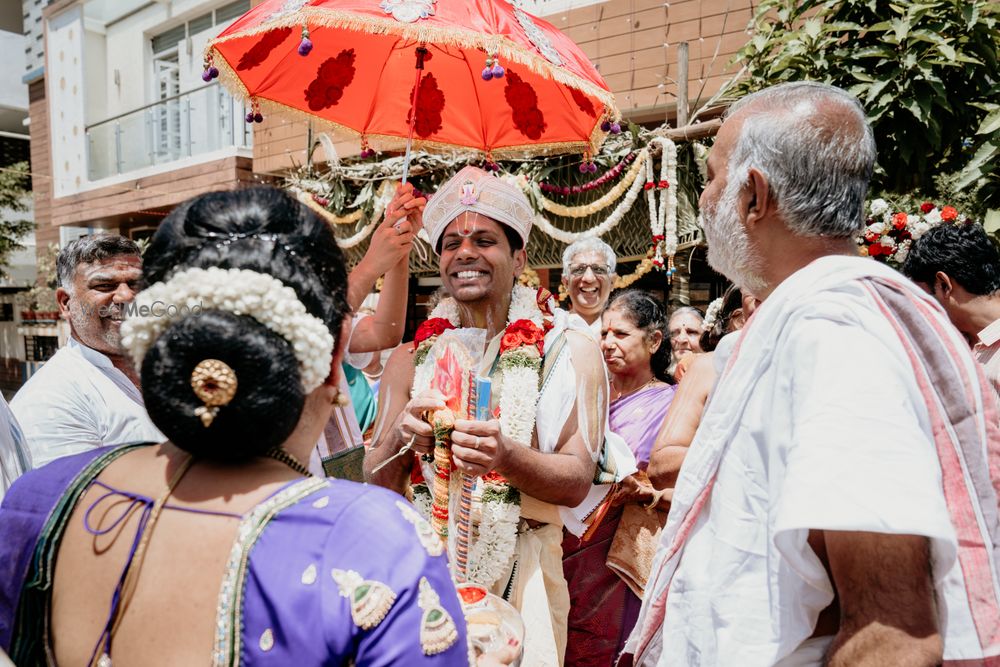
[
  {"x": 281, "y": 455},
  {"x": 620, "y": 394}
]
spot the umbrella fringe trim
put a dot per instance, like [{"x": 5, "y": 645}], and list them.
[
  {"x": 491, "y": 44},
  {"x": 229, "y": 78}
]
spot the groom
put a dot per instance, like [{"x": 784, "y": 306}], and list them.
[{"x": 479, "y": 225}]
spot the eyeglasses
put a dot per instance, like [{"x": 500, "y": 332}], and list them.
[{"x": 580, "y": 270}]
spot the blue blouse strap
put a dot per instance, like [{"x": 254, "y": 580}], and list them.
[{"x": 149, "y": 512}]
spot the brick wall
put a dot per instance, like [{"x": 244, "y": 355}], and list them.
[
  {"x": 117, "y": 205},
  {"x": 41, "y": 165}
]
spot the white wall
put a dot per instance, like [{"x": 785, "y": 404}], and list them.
[
  {"x": 64, "y": 56},
  {"x": 13, "y": 93},
  {"x": 96, "y": 81},
  {"x": 129, "y": 51}
]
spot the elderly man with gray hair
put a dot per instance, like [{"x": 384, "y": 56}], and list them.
[
  {"x": 835, "y": 506},
  {"x": 588, "y": 269},
  {"x": 87, "y": 395}
]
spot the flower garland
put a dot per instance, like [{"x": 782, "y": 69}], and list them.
[
  {"x": 600, "y": 230},
  {"x": 644, "y": 267},
  {"x": 518, "y": 370},
  {"x": 663, "y": 217},
  {"x": 382, "y": 200},
  {"x": 887, "y": 236},
  {"x": 600, "y": 204},
  {"x": 241, "y": 292},
  {"x": 712, "y": 314},
  {"x": 601, "y": 180}
]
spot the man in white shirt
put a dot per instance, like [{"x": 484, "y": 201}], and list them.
[
  {"x": 959, "y": 266},
  {"x": 836, "y": 505},
  {"x": 588, "y": 270},
  {"x": 87, "y": 395},
  {"x": 15, "y": 459}
]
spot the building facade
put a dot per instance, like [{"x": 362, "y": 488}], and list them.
[{"x": 123, "y": 127}]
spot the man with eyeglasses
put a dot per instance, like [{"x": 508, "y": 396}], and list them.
[{"x": 588, "y": 269}]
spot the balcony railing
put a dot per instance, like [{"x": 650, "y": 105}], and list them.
[{"x": 199, "y": 121}]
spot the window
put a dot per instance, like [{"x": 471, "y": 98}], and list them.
[
  {"x": 169, "y": 39},
  {"x": 231, "y": 11},
  {"x": 40, "y": 348},
  {"x": 6, "y": 312}
]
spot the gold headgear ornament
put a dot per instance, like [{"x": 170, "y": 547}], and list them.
[{"x": 214, "y": 383}]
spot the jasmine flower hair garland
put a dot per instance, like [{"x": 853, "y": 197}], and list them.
[{"x": 238, "y": 291}]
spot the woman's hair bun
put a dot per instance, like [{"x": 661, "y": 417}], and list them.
[
  {"x": 259, "y": 229},
  {"x": 269, "y": 395}
]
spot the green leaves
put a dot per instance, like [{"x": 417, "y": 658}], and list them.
[
  {"x": 926, "y": 72},
  {"x": 15, "y": 198}
]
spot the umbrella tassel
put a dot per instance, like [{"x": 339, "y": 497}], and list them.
[{"x": 421, "y": 52}]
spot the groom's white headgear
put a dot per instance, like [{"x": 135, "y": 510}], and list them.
[{"x": 473, "y": 189}]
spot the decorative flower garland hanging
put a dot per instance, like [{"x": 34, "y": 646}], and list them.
[
  {"x": 598, "y": 205},
  {"x": 609, "y": 223},
  {"x": 663, "y": 216},
  {"x": 381, "y": 201},
  {"x": 601, "y": 180},
  {"x": 519, "y": 368}
]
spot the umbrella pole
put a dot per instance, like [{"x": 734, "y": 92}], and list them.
[{"x": 421, "y": 52}]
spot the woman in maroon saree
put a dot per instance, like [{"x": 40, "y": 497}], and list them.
[{"x": 603, "y": 607}]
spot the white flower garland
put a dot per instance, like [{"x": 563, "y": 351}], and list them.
[
  {"x": 500, "y": 511},
  {"x": 663, "y": 217},
  {"x": 712, "y": 314},
  {"x": 238, "y": 291},
  {"x": 610, "y": 223},
  {"x": 598, "y": 205},
  {"x": 382, "y": 200},
  {"x": 489, "y": 557}
]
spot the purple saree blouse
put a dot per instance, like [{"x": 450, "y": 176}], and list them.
[
  {"x": 637, "y": 418},
  {"x": 323, "y": 572}
]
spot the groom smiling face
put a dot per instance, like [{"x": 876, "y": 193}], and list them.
[{"x": 478, "y": 263}]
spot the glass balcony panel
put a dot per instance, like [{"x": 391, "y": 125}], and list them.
[{"x": 187, "y": 125}]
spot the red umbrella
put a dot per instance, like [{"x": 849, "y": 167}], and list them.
[{"x": 494, "y": 80}]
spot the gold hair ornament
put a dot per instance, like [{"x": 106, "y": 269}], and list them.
[{"x": 214, "y": 383}]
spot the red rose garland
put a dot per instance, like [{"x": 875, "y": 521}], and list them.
[
  {"x": 888, "y": 236},
  {"x": 522, "y": 332},
  {"x": 431, "y": 328}
]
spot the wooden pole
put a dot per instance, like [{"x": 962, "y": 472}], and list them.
[{"x": 682, "y": 84}]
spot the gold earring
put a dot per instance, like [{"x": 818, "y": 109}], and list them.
[
  {"x": 214, "y": 383},
  {"x": 341, "y": 400}
]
